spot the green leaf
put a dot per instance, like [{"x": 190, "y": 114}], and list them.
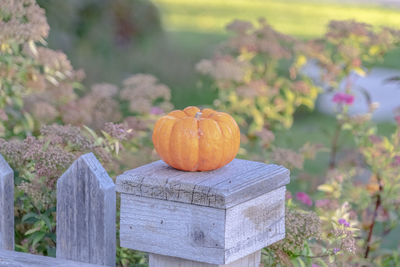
[
  {"x": 90, "y": 131},
  {"x": 47, "y": 221},
  {"x": 326, "y": 188},
  {"x": 30, "y": 216},
  {"x": 37, "y": 237},
  {"x": 33, "y": 230},
  {"x": 322, "y": 263}
]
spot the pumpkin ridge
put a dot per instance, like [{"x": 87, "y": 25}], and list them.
[
  {"x": 174, "y": 164},
  {"x": 166, "y": 154},
  {"x": 221, "y": 161},
  {"x": 157, "y": 128}
]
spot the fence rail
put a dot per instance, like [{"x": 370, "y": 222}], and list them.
[
  {"x": 86, "y": 210},
  {"x": 245, "y": 203}
]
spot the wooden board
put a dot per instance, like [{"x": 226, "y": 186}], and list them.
[
  {"x": 86, "y": 210},
  {"x": 6, "y": 205},
  {"x": 255, "y": 224},
  {"x": 226, "y": 187},
  {"x": 172, "y": 228},
  {"x": 252, "y": 260},
  {"x": 19, "y": 259},
  {"x": 203, "y": 234}
]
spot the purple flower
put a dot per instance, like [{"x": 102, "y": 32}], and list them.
[
  {"x": 344, "y": 222},
  {"x": 315, "y": 265},
  {"x": 156, "y": 111},
  {"x": 343, "y": 98},
  {"x": 304, "y": 198},
  {"x": 336, "y": 250}
]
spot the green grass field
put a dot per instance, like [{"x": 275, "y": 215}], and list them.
[
  {"x": 194, "y": 28},
  {"x": 302, "y": 18}
]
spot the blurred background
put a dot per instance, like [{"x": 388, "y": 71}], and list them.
[{"x": 113, "y": 39}]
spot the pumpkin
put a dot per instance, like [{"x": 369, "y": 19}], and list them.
[{"x": 196, "y": 140}]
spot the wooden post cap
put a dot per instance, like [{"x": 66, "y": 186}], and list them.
[{"x": 214, "y": 217}]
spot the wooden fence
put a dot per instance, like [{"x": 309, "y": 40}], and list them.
[{"x": 86, "y": 215}]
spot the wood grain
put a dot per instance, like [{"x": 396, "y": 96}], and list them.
[
  {"x": 203, "y": 234},
  {"x": 255, "y": 224},
  {"x": 19, "y": 259},
  {"x": 86, "y": 210},
  {"x": 6, "y": 205},
  {"x": 172, "y": 228},
  {"x": 252, "y": 260},
  {"x": 226, "y": 187}
]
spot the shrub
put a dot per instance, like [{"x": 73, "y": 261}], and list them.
[{"x": 257, "y": 77}]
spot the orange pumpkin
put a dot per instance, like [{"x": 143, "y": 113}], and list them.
[{"x": 194, "y": 140}]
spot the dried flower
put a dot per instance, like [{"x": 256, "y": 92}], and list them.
[
  {"x": 66, "y": 135},
  {"x": 288, "y": 158},
  {"x": 143, "y": 91},
  {"x": 300, "y": 227},
  {"x": 95, "y": 108},
  {"x": 22, "y": 21},
  {"x": 118, "y": 131},
  {"x": 223, "y": 68},
  {"x": 346, "y": 239}
]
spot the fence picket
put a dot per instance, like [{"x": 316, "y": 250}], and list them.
[
  {"x": 86, "y": 210},
  {"x": 6, "y": 205}
]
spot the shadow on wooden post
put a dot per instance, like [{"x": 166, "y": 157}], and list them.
[
  {"x": 86, "y": 210},
  {"x": 6, "y": 206}
]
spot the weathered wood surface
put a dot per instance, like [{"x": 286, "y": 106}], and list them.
[
  {"x": 172, "y": 228},
  {"x": 237, "y": 182},
  {"x": 252, "y": 260},
  {"x": 6, "y": 205},
  {"x": 86, "y": 210},
  {"x": 254, "y": 224},
  {"x": 198, "y": 233},
  {"x": 19, "y": 259}
]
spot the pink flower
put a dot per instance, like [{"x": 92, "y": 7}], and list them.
[
  {"x": 314, "y": 265},
  {"x": 343, "y": 98},
  {"x": 397, "y": 118},
  {"x": 304, "y": 198},
  {"x": 156, "y": 111},
  {"x": 288, "y": 195}
]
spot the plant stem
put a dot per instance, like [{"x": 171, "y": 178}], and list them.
[
  {"x": 371, "y": 227},
  {"x": 316, "y": 256},
  {"x": 334, "y": 146}
]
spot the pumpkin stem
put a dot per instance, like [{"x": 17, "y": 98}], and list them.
[{"x": 198, "y": 115}]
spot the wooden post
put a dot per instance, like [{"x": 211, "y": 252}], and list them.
[
  {"x": 86, "y": 206},
  {"x": 6, "y": 205},
  {"x": 205, "y": 219}
]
